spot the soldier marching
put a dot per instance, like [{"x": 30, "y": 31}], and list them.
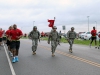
[
  {"x": 54, "y": 38},
  {"x": 35, "y": 36},
  {"x": 71, "y": 35},
  {"x": 13, "y": 35}
]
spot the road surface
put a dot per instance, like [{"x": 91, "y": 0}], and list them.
[{"x": 83, "y": 60}]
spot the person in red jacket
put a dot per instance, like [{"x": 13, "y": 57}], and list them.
[
  {"x": 1, "y": 34},
  {"x": 15, "y": 35},
  {"x": 93, "y": 37}
]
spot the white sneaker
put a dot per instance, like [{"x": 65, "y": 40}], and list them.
[{"x": 10, "y": 54}]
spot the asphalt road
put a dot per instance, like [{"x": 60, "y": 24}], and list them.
[{"x": 83, "y": 60}]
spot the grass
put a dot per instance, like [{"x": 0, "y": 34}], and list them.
[
  {"x": 76, "y": 41},
  {"x": 24, "y": 37}
]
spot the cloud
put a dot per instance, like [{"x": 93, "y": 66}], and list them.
[{"x": 67, "y": 12}]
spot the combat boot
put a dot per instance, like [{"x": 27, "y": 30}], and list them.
[
  {"x": 34, "y": 53},
  {"x": 53, "y": 55},
  {"x": 70, "y": 51}
]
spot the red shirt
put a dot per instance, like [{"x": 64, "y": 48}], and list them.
[
  {"x": 15, "y": 33},
  {"x": 1, "y": 34},
  {"x": 8, "y": 33},
  {"x": 93, "y": 32},
  {"x": 42, "y": 34}
]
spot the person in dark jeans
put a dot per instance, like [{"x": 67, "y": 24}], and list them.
[{"x": 93, "y": 37}]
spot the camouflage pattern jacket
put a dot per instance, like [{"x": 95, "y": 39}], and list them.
[
  {"x": 34, "y": 34},
  {"x": 71, "y": 35},
  {"x": 53, "y": 36}
]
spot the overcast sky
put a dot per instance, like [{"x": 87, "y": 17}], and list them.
[{"x": 67, "y": 12}]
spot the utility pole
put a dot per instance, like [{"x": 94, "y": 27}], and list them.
[{"x": 88, "y": 22}]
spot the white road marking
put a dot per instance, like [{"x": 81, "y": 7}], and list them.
[{"x": 10, "y": 64}]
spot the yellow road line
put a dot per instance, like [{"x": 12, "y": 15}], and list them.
[{"x": 74, "y": 57}]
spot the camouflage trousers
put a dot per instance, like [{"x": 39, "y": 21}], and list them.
[
  {"x": 71, "y": 41},
  {"x": 54, "y": 46},
  {"x": 34, "y": 44}
]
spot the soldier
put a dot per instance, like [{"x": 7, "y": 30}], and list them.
[
  {"x": 54, "y": 38},
  {"x": 35, "y": 36},
  {"x": 71, "y": 35}
]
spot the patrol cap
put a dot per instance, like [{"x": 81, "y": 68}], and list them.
[
  {"x": 72, "y": 27},
  {"x": 54, "y": 27},
  {"x": 35, "y": 27}
]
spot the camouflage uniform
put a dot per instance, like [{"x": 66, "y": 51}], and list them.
[
  {"x": 71, "y": 35},
  {"x": 34, "y": 35},
  {"x": 60, "y": 35},
  {"x": 54, "y": 38}
]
